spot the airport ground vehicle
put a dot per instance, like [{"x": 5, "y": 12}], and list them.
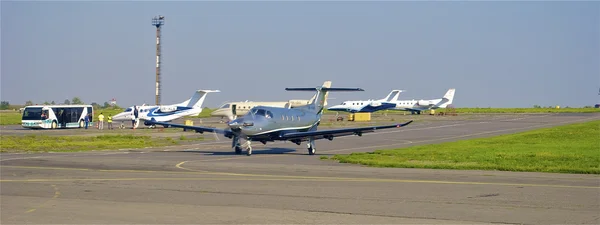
[{"x": 56, "y": 116}]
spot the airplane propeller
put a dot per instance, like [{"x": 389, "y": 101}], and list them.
[{"x": 232, "y": 114}]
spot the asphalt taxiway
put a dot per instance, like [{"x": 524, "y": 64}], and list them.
[{"x": 207, "y": 183}]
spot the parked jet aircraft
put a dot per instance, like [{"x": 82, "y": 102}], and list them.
[
  {"x": 368, "y": 105},
  {"x": 241, "y": 108},
  {"x": 165, "y": 113},
  {"x": 268, "y": 124},
  {"x": 416, "y": 106}
]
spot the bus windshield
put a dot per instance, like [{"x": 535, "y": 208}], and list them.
[{"x": 32, "y": 114}]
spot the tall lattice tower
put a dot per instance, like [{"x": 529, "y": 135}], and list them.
[{"x": 158, "y": 21}]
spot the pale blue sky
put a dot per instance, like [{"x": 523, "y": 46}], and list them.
[{"x": 498, "y": 54}]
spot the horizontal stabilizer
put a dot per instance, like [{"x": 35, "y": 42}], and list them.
[{"x": 324, "y": 89}]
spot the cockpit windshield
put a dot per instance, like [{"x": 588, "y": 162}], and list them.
[
  {"x": 261, "y": 112},
  {"x": 226, "y": 106}
]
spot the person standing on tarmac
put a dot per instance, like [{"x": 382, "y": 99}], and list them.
[
  {"x": 87, "y": 120},
  {"x": 109, "y": 120},
  {"x": 133, "y": 117},
  {"x": 100, "y": 122}
]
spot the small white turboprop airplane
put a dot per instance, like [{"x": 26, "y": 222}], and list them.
[{"x": 165, "y": 113}]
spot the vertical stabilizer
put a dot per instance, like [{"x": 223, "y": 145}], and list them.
[
  {"x": 393, "y": 96},
  {"x": 326, "y": 84},
  {"x": 197, "y": 99},
  {"x": 449, "y": 96}
]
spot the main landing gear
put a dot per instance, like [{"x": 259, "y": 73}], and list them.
[
  {"x": 248, "y": 148},
  {"x": 311, "y": 147},
  {"x": 238, "y": 148}
]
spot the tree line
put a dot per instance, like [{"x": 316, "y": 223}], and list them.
[{"x": 4, "y": 105}]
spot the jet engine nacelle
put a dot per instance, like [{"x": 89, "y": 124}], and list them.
[
  {"x": 169, "y": 108},
  {"x": 424, "y": 103},
  {"x": 375, "y": 104}
]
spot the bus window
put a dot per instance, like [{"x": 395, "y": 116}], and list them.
[
  {"x": 90, "y": 112},
  {"x": 45, "y": 114},
  {"x": 32, "y": 114}
]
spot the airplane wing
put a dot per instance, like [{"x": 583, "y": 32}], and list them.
[
  {"x": 196, "y": 128},
  {"x": 330, "y": 134}
]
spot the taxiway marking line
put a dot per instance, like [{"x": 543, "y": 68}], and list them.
[
  {"x": 248, "y": 177},
  {"x": 33, "y": 209}
]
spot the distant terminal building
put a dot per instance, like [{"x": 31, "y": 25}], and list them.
[{"x": 112, "y": 102}]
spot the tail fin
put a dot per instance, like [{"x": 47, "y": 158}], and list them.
[
  {"x": 449, "y": 96},
  {"x": 326, "y": 84},
  {"x": 318, "y": 102},
  {"x": 393, "y": 96},
  {"x": 197, "y": 99}
]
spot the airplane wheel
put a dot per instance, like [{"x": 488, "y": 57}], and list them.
[
  {"x": 311, "y": 151},
  {"x": 249, "y": 151},
  {"x": 238, "y": 150}
]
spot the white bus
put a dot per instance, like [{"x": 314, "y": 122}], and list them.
[{"x": 56, "y": 116}]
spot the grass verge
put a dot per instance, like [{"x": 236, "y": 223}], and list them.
[
  {"x": 44, "y": 143},
  {"x": 573, "y": 148},
  {"x": 10, "y": 118},
  {"x": 505, "y": 110}
]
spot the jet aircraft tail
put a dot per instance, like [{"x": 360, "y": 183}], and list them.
[
  {"x": 392, "y": 96},
  {"x": 449, "y": 96},
  {"x": 197, "y": 99}
]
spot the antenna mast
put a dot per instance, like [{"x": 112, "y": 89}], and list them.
[{"x": 158, "y": 21}]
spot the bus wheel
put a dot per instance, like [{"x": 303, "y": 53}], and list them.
[
  {"x": 80, "y": 123},
  {"x": 53, "y": 124}
]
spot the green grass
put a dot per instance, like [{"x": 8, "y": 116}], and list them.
[
  {"x": 571, "y": 148},
  {"x": 106, "y": 112},
  {"x": 45, "y": 143},
  {"x": 204, "y": 114},
  {"x": 10, "y": 118}
]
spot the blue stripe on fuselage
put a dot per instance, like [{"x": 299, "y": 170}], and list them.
[
  {"x": 153, "y": 111},
  {"x": 367, "y": 108}
]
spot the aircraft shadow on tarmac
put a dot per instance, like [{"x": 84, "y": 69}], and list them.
[{"x": 268, "y": 151}]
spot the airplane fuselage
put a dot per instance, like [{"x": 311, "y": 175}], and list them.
[
  {"x": 362, "y": 106},
  {"x": 149, "y": 112},
  {"x": 264, "y": 123}
]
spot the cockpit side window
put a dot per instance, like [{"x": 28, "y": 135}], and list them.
[
  {"x": 269, "y": 114},
  {"x": 226, "y": 106},
  {"x": 128, "y": 110},
  {"x": 260, "y": 112}
]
